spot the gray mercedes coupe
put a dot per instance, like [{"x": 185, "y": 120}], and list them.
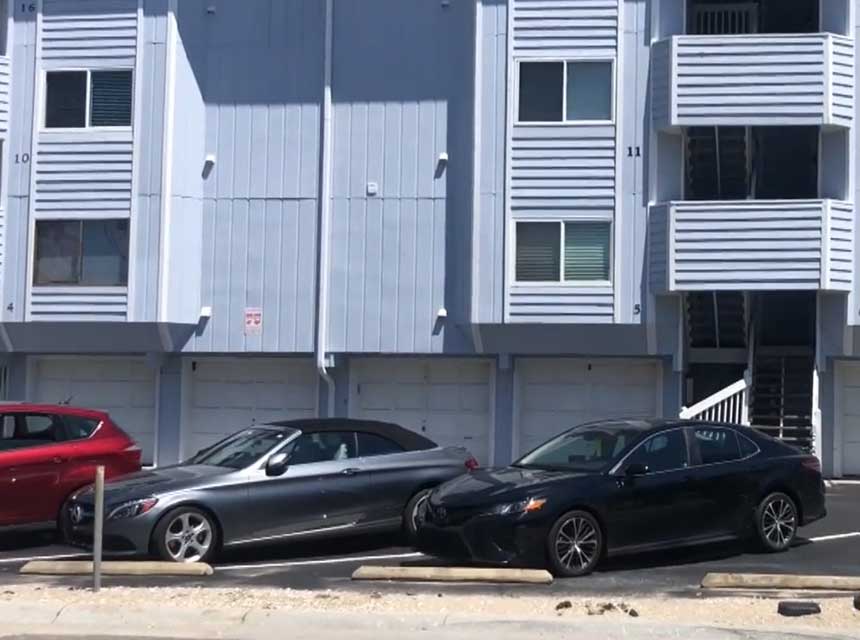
[{"x": 270, "y": 483}]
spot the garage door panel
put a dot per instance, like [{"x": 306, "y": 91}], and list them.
[
  {"x": 229, "y": 394},
  {"x": 446, "y": 400},
  {"x": 851, "y": 402},
  {"x": 125, "y": 388},
  {"x": 556, "y": 395}
]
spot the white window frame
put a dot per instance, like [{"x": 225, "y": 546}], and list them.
[
  {"x": 88, "y": 107},
  {"x": 561, "y": 282},
  {"x": 564, "y": 122}
]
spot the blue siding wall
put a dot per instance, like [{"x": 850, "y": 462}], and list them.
[
  {"x": 402, "y": 97},
  {"x": 488, "y": 224},
  {"x": 566, "y": 171},
  {"x": 260, "y": 73},
  {"x": 86, "y": 33}
]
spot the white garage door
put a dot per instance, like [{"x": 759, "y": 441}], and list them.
[
  {"x": 448, "y": 401},
  {"x": 555, "y": 395},
  {"x": 228, "y": 394},
  {"x": 124, "y": 387},
  {"x": 849, "y": 398}
]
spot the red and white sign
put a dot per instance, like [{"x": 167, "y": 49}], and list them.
[{"x": 253, "y": 321}]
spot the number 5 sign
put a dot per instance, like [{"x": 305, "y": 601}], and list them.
[{"x": 253, "y": 321}]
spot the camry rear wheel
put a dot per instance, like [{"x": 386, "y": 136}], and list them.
[
  {"x": 575, "y": 544},
  {"x": 186, "y": 535},
  {"x": 776, "y": 522}
]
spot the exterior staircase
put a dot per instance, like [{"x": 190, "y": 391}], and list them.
[
  {"x": 782, "y": 394},
  {"x": 719, "y": 163},
  {"x": 717, "y": 320}
]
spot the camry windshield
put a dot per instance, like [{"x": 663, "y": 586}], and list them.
[
  {"x": 587, "y": 448},
  {"x": 242, "y": 449}
]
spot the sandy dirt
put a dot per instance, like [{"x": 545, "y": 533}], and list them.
[{"x": 751, "y": 612}]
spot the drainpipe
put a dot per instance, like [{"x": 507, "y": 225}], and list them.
[{"x": 323, "y": 228}]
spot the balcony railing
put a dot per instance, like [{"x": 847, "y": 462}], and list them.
[
  {"x": 751, "y": 245},
  {"x": 5, "y": 77},
  {"x": 753, "y": 80}
]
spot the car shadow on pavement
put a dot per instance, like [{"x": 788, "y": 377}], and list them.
[
  {"x": 318, "y": 549},
  {"x": 24, "y": 540}
]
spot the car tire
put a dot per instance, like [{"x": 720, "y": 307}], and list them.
[
  {"x": 575, "y": 545},
  {"x": 776, "y": 522},
  {"x": 412, "y": 514},
  {"x": 186, "y": 535}
]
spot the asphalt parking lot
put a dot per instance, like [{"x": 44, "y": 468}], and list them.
[{"x": 828, "y": 547}]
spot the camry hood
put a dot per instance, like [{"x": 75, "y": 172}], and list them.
[
  {"x": 144, "y": 484},
  {"x": 491, "y": 486}
]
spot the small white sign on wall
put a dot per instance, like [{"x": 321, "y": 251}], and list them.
[{"x": 253, "y": 321}]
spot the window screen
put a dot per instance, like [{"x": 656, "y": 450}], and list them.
[
  {"x": 538, "y": 252},
  {"x": 66, "y": 99},
  {"x": 111, "y": 99},
  {"x": 541, "y": 92},
  {"x": 589, "y": 91},
  {"x": 586, "y": 250}
]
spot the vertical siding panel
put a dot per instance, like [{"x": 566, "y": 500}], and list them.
[
  {"x": 356, "y": 251},
  {"x": 391, "y": 306},
  {"x": 254, "y": 289},
  {"x": 373, "y": 274}
]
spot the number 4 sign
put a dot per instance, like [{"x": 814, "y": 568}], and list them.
[{"x": 253, "y": 321}]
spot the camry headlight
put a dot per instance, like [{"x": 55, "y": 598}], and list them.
[
  {"x": 132, "y": 509},
  {"x": 531, "y": 505}
]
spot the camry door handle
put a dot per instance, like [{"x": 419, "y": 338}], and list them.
[{"x": 350, "y": 472}]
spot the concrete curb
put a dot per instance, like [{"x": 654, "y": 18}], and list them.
[
  {"x": 775, "y": 581},
  {"x": 453, "y": 574},
  {"x": 81, "y": 568}
]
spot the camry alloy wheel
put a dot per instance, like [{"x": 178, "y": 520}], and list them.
[
  {"x": 188, "y": 537},
  {"x": 577, "y": 544},
  {"x": 779, "y": 522}
]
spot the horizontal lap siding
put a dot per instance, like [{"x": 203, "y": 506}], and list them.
[
  {"x": 559, "y": 304},
  {"x": 562, "y": 171},
  {"x": 751, "y": 80},
  {"x": 66, "y": 304},
  {"x": 83, "y": 175},
  {"x": 842, "y": 77},
  {"x": 841, "y": 254},
  {"x": 748, "y": 245},
  {"x": 4, "y": 94},
  {"x": 557, "y": 27},
  {"x": 87, "y": 33}
]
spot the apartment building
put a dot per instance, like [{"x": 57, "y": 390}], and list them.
[{"x": 488, "y": 220}]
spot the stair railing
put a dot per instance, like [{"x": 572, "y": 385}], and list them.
[{"x": 729, "y": 405}]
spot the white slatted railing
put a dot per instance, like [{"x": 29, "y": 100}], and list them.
[{"x": 729, "y": 405}]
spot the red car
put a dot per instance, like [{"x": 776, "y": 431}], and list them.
[{"x": 48, "y": 452}]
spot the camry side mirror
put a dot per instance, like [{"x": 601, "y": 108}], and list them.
[
  {"x": 277, "y": 465},
  {"x": 635, "y": 470}
]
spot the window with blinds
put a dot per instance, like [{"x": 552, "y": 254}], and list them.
[
  {"x": 111, "y": 96},
  {"x": 563, "y": 251},
  {"x": 82, "y": 99},
  {"x": 586, "y": 250}
]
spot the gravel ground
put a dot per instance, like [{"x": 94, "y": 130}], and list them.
[{"x": 755, "y": 612}]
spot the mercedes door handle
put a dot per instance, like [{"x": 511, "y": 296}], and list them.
[{"x": 350, "y": 472}]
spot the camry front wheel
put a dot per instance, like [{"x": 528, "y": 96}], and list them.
[{"x": 575, "y": 544}]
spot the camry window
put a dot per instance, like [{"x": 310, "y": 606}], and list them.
[
  {"x": 586, "y": 448},
  {"x": 717, "y": 445},
  {"x": 663, "y": 452},
  {"x": 242, "y": 449}
]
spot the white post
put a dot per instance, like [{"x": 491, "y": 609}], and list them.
[{"x": 98, "y": 525}]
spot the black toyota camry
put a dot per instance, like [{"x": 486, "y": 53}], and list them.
[{"x": 615, "y": 487}]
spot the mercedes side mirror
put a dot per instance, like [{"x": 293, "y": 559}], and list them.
[{"x": 277, "y": 465}]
